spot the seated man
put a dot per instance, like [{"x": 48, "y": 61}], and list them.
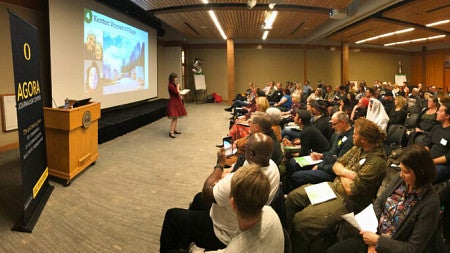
[
  {"x": 342, "y": 141},
  {"x": 260, "y": 227},
  {"x": 259, "y": 123},
  {"x": 214, "y": 229},
  {"x": 320, "y": 119},
  {"x": 358, "y": 176},
  {"x": 310, "y": 138},
  {"x": 440, "y": 141}
]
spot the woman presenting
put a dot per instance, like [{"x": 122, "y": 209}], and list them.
[
  {"x": 408, "y": 210},
  {"x": 175, "y": 108}
]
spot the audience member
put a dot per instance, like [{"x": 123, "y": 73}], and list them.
[
  {"x": 214, "y": 229},
  {"x": 259, "y": 123},
  {"x": 360, "y": 109},
  {"x": 444, "y": 198},
  {"x": 359, "y": 175},
  {"x": 320, "y": 119},
  {"x": 275, "y": 117},
  {"x": 408, "y": 210},
  {"x": 398, "y": 113},
  {"x": 427, "y": 119},
  {"x": 414, "y": 101},
  {"x": 297, "y": 94},
  {"x": 285, "y": 102},
  {"x": 307, "y": 89},
  {"x": 310, "y": 138},
  {"x": 388, "y": 101},
  {"x": 259, "y": 225},
  {"x": 277, "y": 94},
  {"x": 440, "y": 141},
  {"x": 269, "y": 89},
  {"x": 342, "y": 141},
  {"x": 377, "y": 114}
]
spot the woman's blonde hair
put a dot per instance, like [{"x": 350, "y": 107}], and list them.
[
  {"x": 262, "y": 103},
  {"x": 401, "y": 101}
]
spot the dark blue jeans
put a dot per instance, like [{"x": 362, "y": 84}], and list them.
[
  {"x": 442, "y": 173},
  {"x": 303, "y": 177},
  {"x": 181, "y": 227}
]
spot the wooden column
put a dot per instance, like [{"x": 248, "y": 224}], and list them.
[
  {"x": 424, "y": 66},
  {"x": 305, "y": 77},
  {"x": 230, "y": 70},
  {"x": 344, "y": 63}
]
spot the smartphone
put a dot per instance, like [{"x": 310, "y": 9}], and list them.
[{"x": 228, "y": 145}]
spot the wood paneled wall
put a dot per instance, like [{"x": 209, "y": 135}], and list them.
[{"x": 428, "y": 68}]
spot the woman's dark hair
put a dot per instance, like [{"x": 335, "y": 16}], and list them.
[
  {"x": 304, "y": 115},
  {"x": 287, "y": 91},
  {"x": 417, "y": 158},
  {"x": 172, "y": 77}
]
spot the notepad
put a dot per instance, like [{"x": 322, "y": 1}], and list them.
[
  {"x": 319, "y": 193},
  {"x": 306, "y": 161}
]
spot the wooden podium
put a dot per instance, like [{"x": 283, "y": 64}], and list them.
[{"x": 72, "y": 139}]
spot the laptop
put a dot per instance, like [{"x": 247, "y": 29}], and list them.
[{"x": 81, "y": 102}]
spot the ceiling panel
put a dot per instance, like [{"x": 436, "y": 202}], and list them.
[{"x": 302, "y": 20}]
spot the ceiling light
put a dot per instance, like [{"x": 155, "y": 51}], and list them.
[
  {"x": 404, "y": 30},
  {"x": 272, "y": 5},
  {"x": 385, "y": 35},
  {"x": 216, "y": 22},
  {"x": 270, "y": 18},
  {"x": 436, "y": 37},
  {"x": 438, "y": 23},
  {"x": 415, "y": 40},
  {"x": 251, "y": 4},
  {"x": 205, "y": 1},
  {"x": 418, "y": 40},
  {"x": 264, "y": 37}
]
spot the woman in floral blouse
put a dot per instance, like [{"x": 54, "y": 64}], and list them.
[{"x": 407, "y": 210}]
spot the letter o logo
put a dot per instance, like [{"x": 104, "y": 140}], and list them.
[{"x": 27, "y": 51}]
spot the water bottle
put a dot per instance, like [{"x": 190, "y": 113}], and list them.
[{"x": 66, "y": 103}]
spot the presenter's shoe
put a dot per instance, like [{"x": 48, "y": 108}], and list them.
[
  {"x": 176, "y": 132},
  {"x": 172, "y": 135},
  {"x": 228, "y": 109}
]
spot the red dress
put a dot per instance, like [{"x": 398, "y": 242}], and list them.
[{"x": 175, "y": 108}]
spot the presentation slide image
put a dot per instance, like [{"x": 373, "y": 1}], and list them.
[{"x": 122, "y": 50}]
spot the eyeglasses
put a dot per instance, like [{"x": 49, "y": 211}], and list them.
[{"x": 335, "y": 123}]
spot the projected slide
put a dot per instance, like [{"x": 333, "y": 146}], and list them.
[{"x": 115, "y": 56}]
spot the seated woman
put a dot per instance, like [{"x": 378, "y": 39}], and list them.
[
  {"x": 427, "y": 119},
  {"x": 240, "y": 126},
  {"x": 285, "y": 102},
  {"x": 398, "y": 114},
  {"x": 275, "y": 116},
  {"x": 407, "y": 210}
]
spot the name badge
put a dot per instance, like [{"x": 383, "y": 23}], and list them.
[
  {"x": 362, "y": 161},
  {"x": 443, "y": 142},
  {"x": 344, "y": 138}
]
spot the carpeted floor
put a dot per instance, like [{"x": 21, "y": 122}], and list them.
[{"x": 118, "y": 204}]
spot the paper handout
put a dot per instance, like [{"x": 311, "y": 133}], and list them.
[
  {"x": 184, "y": 92},
  {"x": 318, "y": 193},
  {"x": 366, "y": 220}
]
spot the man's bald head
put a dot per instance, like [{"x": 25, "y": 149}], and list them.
[{"x": 259, "y": 149}]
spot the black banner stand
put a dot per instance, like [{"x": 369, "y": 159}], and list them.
[{"x": 36, "y": 189}]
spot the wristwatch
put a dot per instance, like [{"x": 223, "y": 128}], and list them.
[{"x": 218, "y": 166}]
